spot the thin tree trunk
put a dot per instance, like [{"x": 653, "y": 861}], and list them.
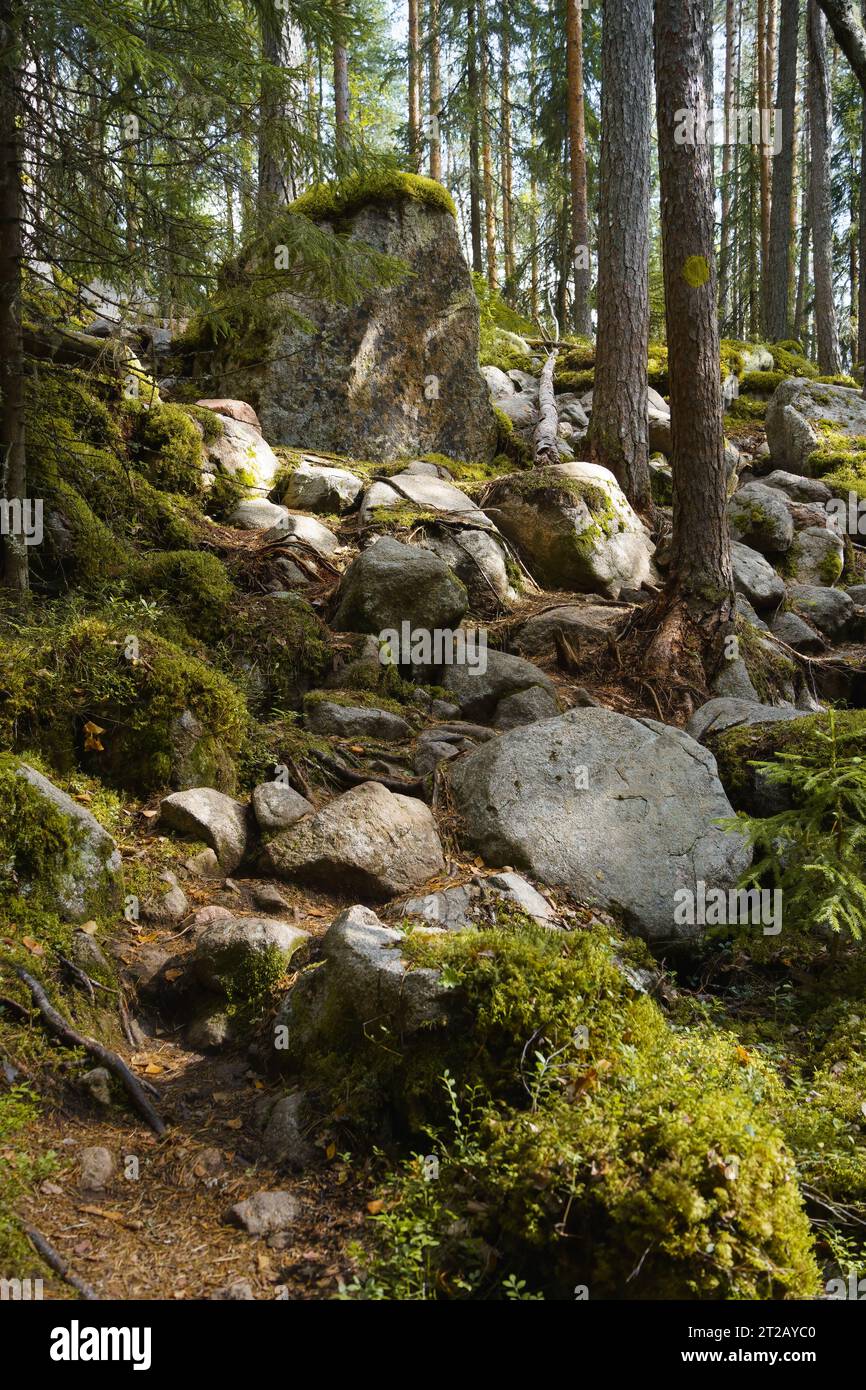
[
  {"x": 282, "y": 47},
  {"x": 764, "y": 106},
  {"x": 486, "y": 150},
  {"x": 414, "y": 59},
  {"x": 805, "y": 238},
  {"x": 474, "y": 158},
  {"x": 827, "y": 332},
  {"x": 582, "y": 319},
  {"x": 618, "y": 429},
  {"x": 435, "y": 81},
  {"x": 725, "y": 235},
  {"x": 701, "y": 554},
  {"x": 778, "y": 309},
  {"x": 861, "y": 309},
  {"x": 13, "y": 452},
  {"x": 507, "y": 177},
  {"x": 341, "y": 92}
]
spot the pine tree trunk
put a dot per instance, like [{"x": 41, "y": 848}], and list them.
[
  {"x": 13, "y": 452},
  {"x": 486, "y": 149},
  {"x": 414, "y": 61},
  {"x": 341, "y": 90},
  {"x": 725, "y": 234},
  {"x": 861, "y": 305},
  {"x": 778, "y": 308},
  {"x": 507, "y": 176},
  {"x": 435, "y": 81},
  {"x": 805, "y": 241},
  {"x": 282, "y": 47},
  {"x": 582, "y": 319},
  {"x": 829, "y": 356},
  {"x": 474, "y": 144},
  {"x": 701, "y": 555},
  {"x": 764, "y": 105},
  {"x": 618, "y": 428}
]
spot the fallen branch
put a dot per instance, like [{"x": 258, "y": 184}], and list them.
[
  {"x": 544, "y": 448},
  {"x": 57, "y": 1025},
  {"x": 58, "y": 1264},
  {"x": 408, "y": 786}
]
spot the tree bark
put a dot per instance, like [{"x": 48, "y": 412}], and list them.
[
  {"x": 618, "y": 428},
  {"x": 414, "y": 60},
  {"x": 847, "y": 25},
  {"x": 725, "y": 233},
  {"x": 581, "y": 316},
  {"x": 861, "y": 306},
  {"x": 435, "y": 82},
  {"x": 701, "y": 554},
  {"x": 827, "y": 332},
  {"x": 13, "y": 449},
  {"x": 544, "y": 447},
  {"x": 506, "y": 164},
  {"x": 764, "y": 105},
  {"x": 778, "y": 307},
  {"x": 341, "y": 91},
  {"x": 474, "y": 144},
  {"x": 486, "y": 150},
  {"x": 282, "y": 47}
]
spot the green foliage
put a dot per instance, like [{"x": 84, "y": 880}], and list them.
[
  {"x": 585, "y": 1139},
  {"x": 814, "y": 851},
  {"x": 167, "y": 447},
  {"x": 341, "y": 199},
  {"x": 196, "y": 584},
  {"x": 276, "y": 648}
]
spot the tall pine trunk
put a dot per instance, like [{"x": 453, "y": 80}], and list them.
[
  {"x": 577, "y": 168},
  {"x": 701, "y": 552},
  {"x": 778, "y": 306},
  {"x": 725, "y": 234},
  {"x": 414, "y": 60},
  {"x": 341, "y": 89},
  {"x": 282, "y": 47},
  {"x": 474, "y": 143},
  {"x": 435, "y": 82},
  {"x": 506, "y": 159},
  {"x": 826, "y": 329},
  {"x": 486, "y": 148},
  {"x": 618, "y": 430},
  {"x": 13, "y": 452}
]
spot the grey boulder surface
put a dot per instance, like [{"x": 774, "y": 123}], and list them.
[
  {"x": 620, "y": 811},
  {"x": 209, "y": 815},
  {"x": 91, "y": 880},
  {"x": 391, "y": 583}
]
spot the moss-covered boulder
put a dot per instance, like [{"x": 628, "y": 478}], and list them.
[
  {"x": 53, "y": 851},
  {"x": 394, "y": 372},
  {"x": 574, "y": 527},
  {"x": 819, "y": 430}
]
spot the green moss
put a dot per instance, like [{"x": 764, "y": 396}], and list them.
[
  {"x": 167, "y": 446},
  {"x": 792, "y": 363},
  {"x": 333, "y": 200},
  {"x": 840, "y": 460},
  {"x": 510, "y": 445},
  {"x": 194, "y": 581},
  {"x": 748, "y": 408},
  {"x": 762, "y": 383},
  {"x": 640, "y": 1161},
  {"x": 579, "y": 382},
  {"x": 276, "y": 649},
  {"x": 736, "y": 749},
  {"x": 365, "y": 699},
  {"x": 771, "y": 673},
  {"x": 66, "y": 671}
]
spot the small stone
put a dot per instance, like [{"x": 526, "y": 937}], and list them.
[
  {"x": 204, "y": 864},
  {"x": 284, "y": 1140},
  {"x": 266, "y": 1213},
  {"x": 268, "y": 898},
  {"x": 96, "y": 1167},
  {"x": 241, "y": 1291},
  {"x": 211, "y": 1031},
  {"x": 97, "y": 1083},
  {"x": 277, "y": 806}
]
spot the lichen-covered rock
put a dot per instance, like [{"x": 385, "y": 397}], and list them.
[
  {"x": 574, "y": 527},
  {"x": 427, "y": 493},
  {"x": 817, "y": 556},
  {"x": 319, "y": 487},
  {"x": 391, "y": 583},
  {"x": 367, "y": 972},
  {"x": 619, "y": 811},
  {"x": 759, "y": 517},
  {"x": 53, "y": 849},
  {"x": 368, "y": 840},
  {"x": 831, "y": 610},
  {"x": 478, "y": 692},
  {"x": 795, "y": 632},
  {"x": 209, "y": 815},
  {"x": 478, "y": 558},
  {"x": 726, "y": 712},
  {"x": 240, "y": 956},
  {"x": 355, "y": 721},
  {"x": 241, "y": 452},
  {"x": 257, "y": 514},
  {"x": 801, "y": 413},
  {"x": 576, "y": 622},
  {"x": 755, "y": 578},
  {"x": 276, "y": 806},
  {"x": 304, "y": 529},
  {"x": 393, "y": 375},
  {"x": 236, "y": 410}
]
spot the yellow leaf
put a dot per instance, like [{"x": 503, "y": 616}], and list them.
[
  {"x": 33, "y": 946},
  {"x": 330, "y": 1151},
  {"x": 744, "y": 1056},
  {"x": 90, "y": 927},
  {"x": 152, "y": 1069},
  {"x": 234, "y": 1124},
  {"x": 172, "y": 975},
  {"x": 375, "y": 1207}
]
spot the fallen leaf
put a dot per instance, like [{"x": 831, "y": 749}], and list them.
[
  {"x": 92, "y": 743},
  {"x": 172, "y": 975},
  {"x": 744, "y": 1056},
  {"x": 33, "y": 946},
  {"x": 330, "y": 1151},
  {"x": 234, "y": 1124},
  {"x": 375, "y": 1207},
  {"x": 153, "y": 1070},
  {"x": 90, "y": 927}
]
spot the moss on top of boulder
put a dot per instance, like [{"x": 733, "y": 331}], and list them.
[{"x": 342, "y": 198}]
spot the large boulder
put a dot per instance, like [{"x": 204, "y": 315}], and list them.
[
  {"x": 317, "y": 487},
  {"x": 229, "y": 953},
  {"x": 816, "y": 557},
  {"x": 391, "y": 583},
  {"x": 759, "y": 516},
  {"x": 798, "y": 413},
  {"x": 577, "y": 622},
  {"x": 755, "y": 578},
  {"x": 574, "y": 526},
  {"x": 619, "y": 811},
  {"x": 368, "y": 840},
  {"x": 477, "y": 557},
  {"x": 423, "y": 491},
  {"x": 395, "y": 373},
  {"x": 55, "y": 848},
  {"x": 478, "y": 692},
  {"x": 831, "y": 610},
  {"x": 241, "y": 452}
]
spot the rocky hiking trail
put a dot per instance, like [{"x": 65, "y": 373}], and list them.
[{"x": 353, "y": 823}]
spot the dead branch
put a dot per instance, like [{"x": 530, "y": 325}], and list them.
[
  {"x": 56, "y": 1262},
  {"x": 544, "y": 448}
]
